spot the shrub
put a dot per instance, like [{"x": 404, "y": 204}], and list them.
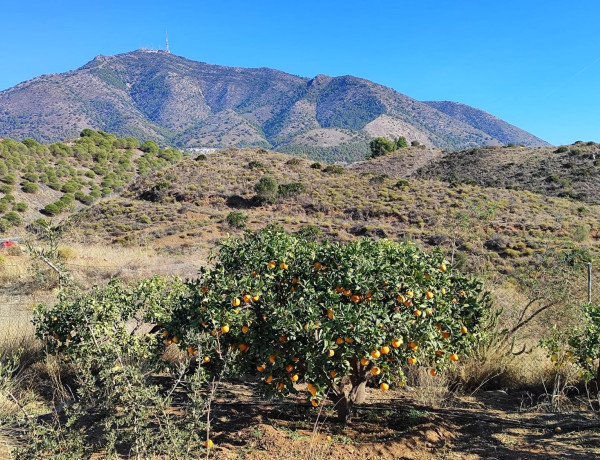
[
  {"x": 291, "y": 189},
  {"x": 266, "y": 189},
  {"x": 316, "y": 166},
  {"x": 254, "y": 164},
  {"x": 150, "y": 147},
  {"x": 562, "y": 149},
  {"x": 9, "y": 179},
  {"x": 51, "y": 209},
  {"x": 334, "y": 169},
  {"x": 20, "y": 207},
  {"x": 5, "y": 188},
  {"x": 402, "y": 183},
  {"x": 332, "y": 315},
  {"x": 13, "y": 218},
  {"x": 293, "y": 162},
  {"x": 30, "y": 187},
  {"x": 201, "y": 157},
  {"x": 236, "y": 219},
  {"x": 310, "y": 232},
  {"x": 381, "y": 146}
]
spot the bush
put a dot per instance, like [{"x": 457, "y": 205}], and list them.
[
  {"x": 334, "y": 169},
  {"x": 310, "y": 232},
  {"x": 30, "y": 187},
  {"x": 13, "y": 218},
  {"x": 201, "y": 157},
  {"x": 291, "y": 189},
  {"x": 150, "y": 147},
  {"x": 254, "y": 164},
  {"x": 332, "y": 315},
  {"x": 9, "y": 179},
  {"x": 236, "y": 219},
  {"x": 5, "y": 188},
  {"x": 316, "y": 166},
  {"x": 562, "y": 149},
  {"x": 266, "y": 189},
  {"x": 20, "y": 207},
  {"x": 381, "y": 146},
  {"x": 51, "y": 209}
]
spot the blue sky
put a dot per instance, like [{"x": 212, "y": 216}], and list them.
[{"x": 535, "y": 64}]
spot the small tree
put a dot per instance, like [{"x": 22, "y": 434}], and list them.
[
  {"x": 401, "y": 143},
  {"x": 267, "y": 189},
  {"x": 380, "y": 146},
  {"x": 331, "y": 315},
  {"x": 236, "y": 219}
]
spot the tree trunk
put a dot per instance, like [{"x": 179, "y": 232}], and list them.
[
  {"x": 343, "y": 407},
  {"x": 361, "y": 393}
]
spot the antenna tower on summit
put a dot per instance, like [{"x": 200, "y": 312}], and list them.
[{"x": 167, "y": 41}]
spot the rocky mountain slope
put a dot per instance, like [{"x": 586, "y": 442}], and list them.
[{"x": 178, "y": 102}]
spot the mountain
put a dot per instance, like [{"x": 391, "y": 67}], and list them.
[{"x": 178, "y": 102}]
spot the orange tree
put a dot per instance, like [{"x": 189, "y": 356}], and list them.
[{"x": 331, "y": 315}]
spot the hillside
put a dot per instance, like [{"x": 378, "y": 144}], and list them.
[
  {"x": 567, "y": 171},
  {"x": 182, "y": 103}
]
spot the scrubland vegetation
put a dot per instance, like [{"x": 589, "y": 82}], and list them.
[{"x": 363, "y": 314}]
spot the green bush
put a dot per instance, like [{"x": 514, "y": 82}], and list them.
[
  {"x": 30, "y": 187},
  {"x": 334, "y": 169},
  {"x": 266, "y": 189},
  {"x": 310, "y": 232},
  {"x": 236, "y": 219},
  {"x": 52, "y": 209},
  {"x": 316, "y": 165},
  {"x": 13, "y": 218},
  {"x": 20, "y": 207},
  {"x": 291, "y": 189}
]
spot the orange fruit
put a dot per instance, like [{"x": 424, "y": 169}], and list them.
[
  {"x": 247, "y": 298},
  {"x": 312, "y": 389},
  {"x": 429, "y": 295},
  {"x": 413, "y": 346},
  {"x": 225, "y": 329},
  {"x": 272, "y": 264},
  {"x": 295, "y": 281},
  {"x": 364, "y": 362},
  {"x": 375, "y": 371},
  {"x": 385, "y": 350},
  {"x": 331, "y": 353},
  {"x": 236, "y": 302},
  {"x": 417, "y": 313},
  {"x": 269, "y": 379},
  {"x": 439, "y": 352},
  {"x": 463, "y": 330},
  {"x": 289, "y": 368},
  {"x": 355, "y": 298},
  {"x": 446, "y": 335},
  {"x": 283, "y": 338},
  {"x": 191, "y": 350},
  {"x": 209, "y": 444},
  {"x": 318, "y": 266},
  {"x": 339, "y": 341},
  {"x": 454, "y": 357},
  {"x": 294, "y": 378},
  {"x": 206, "y": 359},
  {"x": 330, "y": 313},
  {"x": 168, "y": 342},
  {"x": 283, "y": 266},
  {"x": 243, "y": 347},
  {"x": 443, "y": 267},
  {"x": 433, "y": 373},
  {"x": 175, "y": 339},
  {"x": 333, "y": 374},
  {"x": 348, "y": 340},
  {"x": 204, "y": 289},
  {"x": 328, "y": 438},
  {"x": 255, "y": 298},
  {"x": 412, "y": 360},
  {"x": 375, "y": 354},
  {"x": 314, "y": 402},
  {"x": 165, "y": 333},
  {"x": 271, "y": 359},
  {"x": 347, "y": 292},
  {"x": 401, "y": 298},
  {"x": 261, "y": 368},
  {"x": 245, "y": 329},
  {"x": 280, "y": 386},
  {"x": 410, "y": 294},
  {"x": 396, "y": 343},
  {"x": 384, "y": 386}
]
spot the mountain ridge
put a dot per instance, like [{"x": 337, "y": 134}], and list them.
[{"x": 179, "y": 102}]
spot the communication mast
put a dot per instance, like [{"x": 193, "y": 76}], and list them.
[{"x": 167, "y": 41}]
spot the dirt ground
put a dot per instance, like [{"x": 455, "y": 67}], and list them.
[{"x": 492, "y": 425}]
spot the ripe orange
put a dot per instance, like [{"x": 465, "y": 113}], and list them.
[
  {"x": 254, "y": 275},
  {"x": 312, "y": 389},
  {"x": 255, "y": 298},
  {"x": 328, "y": 438},
  {"x": 446, "y": 335},
  {"x": 272, "y": 264},
  {"x": 385, "y": 350},
  {"x": 339, "y": 341},
  {"x": 280, "y": 386},
  {"x": 294, "y": 378},
  {"x": 165, "y": 333},
  {"x": 417, "y": 313},
  {"x": 413, "y": 346},
  {"x": 271, "y": 359},
  {"x": 463, "y": 330},
  {"x": 348, "y": 340},
  {"x": 375, "y": 371},
  {"x": 314, "y": 402},
  {"x": 261, "y": 368},
  {"x": 283, "y": 266},
  {"x": 433, "y": 373},
  {"x": 410, "y": 294},
  {"x": 296, "y": 359},
  {"x": 225, "y": 328},
  {"x": 429, "y": 295},
  {"x": 375, "y": 354},
  {"x": 401, "y": 298},
  {"x": 439, "y": 352},
  {"x": 204, "y": 289},
  {"x": 191, "y": 350},
  {"x": 347, "y": 292},
  {"x": 206, "y": 359},
  {"x": 269, "y": 379},
  {"x": 454, "y": 357},
  {"x": 243, "y": 347},
  {"x": 318, "y": 266},
  {"x": 168, "y": 342},
  {"x": 384, "y": 386},
  {"x": 283, "y": 338},
  {"x": 236, "y": 302},
  {"x": 331, "y": 353},
  {"x": 333, "y": 374},
  {"x": 209, "y": 444},
  {"x": 330, "y": 313},
  {"x": 364, "y": 362},
  {"x": 427, "y": 276},
  {"x": 247, "y": 298},
  {"x": 443, "y": 267},
  {"x": 245, "y": 329},
  {"x": 355, "y": 298},
  {"x": 289, "y": 368},
  {"x": 396, "y": 342},
  {"x": 408, "y": 303},
  {"x": 295, "y": 281},
  {"x": 412, "y": 360},
  {"x": 339, "y": 289}
]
